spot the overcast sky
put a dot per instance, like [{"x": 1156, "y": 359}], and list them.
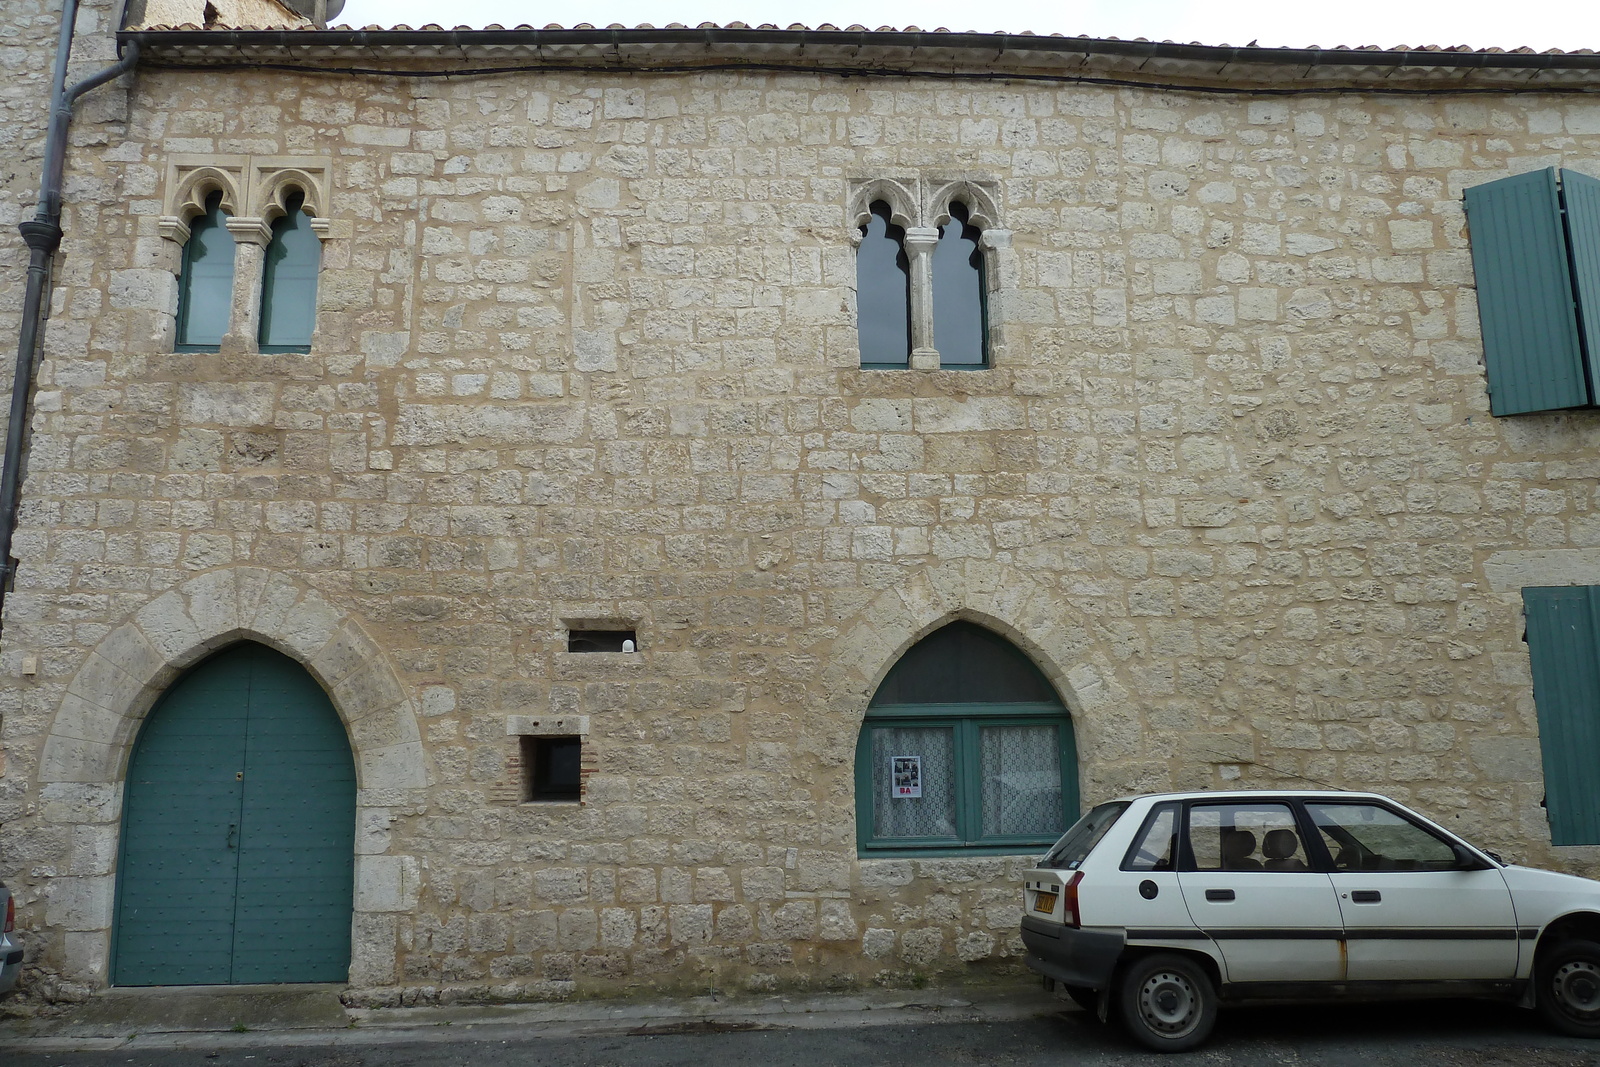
[{"x": 1565, "y": 24}]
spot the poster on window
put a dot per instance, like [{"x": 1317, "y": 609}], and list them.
[{"x": 905, "y": 776}]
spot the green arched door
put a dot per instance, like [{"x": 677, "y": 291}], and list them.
[{"x": 238, "y": 835}]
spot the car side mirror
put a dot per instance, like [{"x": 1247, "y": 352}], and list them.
[{"x": 1468, "y": 861}]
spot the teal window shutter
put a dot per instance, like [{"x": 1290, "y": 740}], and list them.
[
  {"x": 205, "y": 286},
  {"x": 289, "y": 283},
  {"x": 1536, "y": 255},
  {"x": 1580, "y": 195},
  {"x": 1564, "y": 647}
]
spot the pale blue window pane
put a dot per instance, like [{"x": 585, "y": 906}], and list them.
[
  {"x": 959, "y": 328},
  {"x": 205, "y": 286},
  {"x": 933, "y": 814},
  {"x": 1021, "y": 780},
  {"x": 289, "y": 283},
  {"x": 883, "y": 293}
]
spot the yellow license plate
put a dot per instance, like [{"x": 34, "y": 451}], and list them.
[{"x": 1044, "y": 902}]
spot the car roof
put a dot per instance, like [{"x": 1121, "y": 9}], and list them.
[{"x": 1254, "y": 794}]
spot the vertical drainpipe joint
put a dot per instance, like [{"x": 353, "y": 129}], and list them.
[{"x": 41, "y": 235}]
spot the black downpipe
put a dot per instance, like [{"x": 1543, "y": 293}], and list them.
[{"x": 42, "y": 234}]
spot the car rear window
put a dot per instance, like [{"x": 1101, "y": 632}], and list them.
[{"x": 1076, "y": 844}]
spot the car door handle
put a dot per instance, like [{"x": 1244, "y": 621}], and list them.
[
  {"x": 1219, "y": 894},
  {"x": 1365, "y": 896}
]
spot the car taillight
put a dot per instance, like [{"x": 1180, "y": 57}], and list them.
[
  {"x": 11, "y": 915},
  {"x": 1069, "y": 899}
]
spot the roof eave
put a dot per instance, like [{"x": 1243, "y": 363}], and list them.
[{"x": 999, "y": 53}]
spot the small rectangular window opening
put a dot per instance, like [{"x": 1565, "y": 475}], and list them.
[
  {"x": 550, "y": 768},
  {"x": 598, "y": 640}
]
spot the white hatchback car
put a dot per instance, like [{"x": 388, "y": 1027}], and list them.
[
  {"x": 10, "y": 951},
  {"x": 1157, "y": 907}
]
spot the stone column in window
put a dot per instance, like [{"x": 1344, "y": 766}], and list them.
[
  {"x": 920, "y": 243},
  {"x": 1003, "y": 279},
  {"x": 250, "y": 237}
]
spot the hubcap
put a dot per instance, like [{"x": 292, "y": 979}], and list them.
[
  {"x": 1577, "y": 987},
  {"x": 1168, "y": 1004}
]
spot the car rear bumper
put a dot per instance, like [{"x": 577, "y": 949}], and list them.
[
  {"x": 1071, "y": 956},
  {"x": 10, "y": 964}
]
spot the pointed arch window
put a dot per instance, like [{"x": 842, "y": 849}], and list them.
[
  {"x": 289, "y": 282},
  {"x": 965, "y": 747},
  {"x": 883, "y": 293},
  {"x": 205, "y": 284},
  {"x": 960, "y": 303}
]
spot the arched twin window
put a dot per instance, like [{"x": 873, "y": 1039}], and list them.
[
  {"x": 965, "y": 746},
  {"x": 288, "y": 294},
  {"x": 942, "y": 305}
]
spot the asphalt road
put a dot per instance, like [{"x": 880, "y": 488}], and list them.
[{"x": 1425, "y": 1035}]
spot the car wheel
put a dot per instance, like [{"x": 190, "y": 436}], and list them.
[
  {"x": 1568, "y": 992},
  {"x": 1084, "y": 997},
  {"x": 1167, "y": 1002}
]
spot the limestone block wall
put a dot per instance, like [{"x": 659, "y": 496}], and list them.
[
  {"x": 30, "y": 29},
  {"x": 257, "y": 14},
  {"x": 586, "y": 351}
]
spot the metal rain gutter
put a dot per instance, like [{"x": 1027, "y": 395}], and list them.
[{"x": 42, "y": 234}]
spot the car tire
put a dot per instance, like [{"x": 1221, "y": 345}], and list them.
[
  {"x": 1567, "y": 987},
  {"x": 1167, "y": 1002}
]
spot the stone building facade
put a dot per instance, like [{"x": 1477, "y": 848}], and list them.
[{"x": 586, "y": 357}]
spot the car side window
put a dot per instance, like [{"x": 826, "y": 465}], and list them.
[
  {"x": 1156, "y": 847},
  {"x": 1367, "y": 837},
  {"x": 1245, "y": 837}
]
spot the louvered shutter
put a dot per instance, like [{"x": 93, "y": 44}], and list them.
[
  {"x": 1564, "y": 646},
  {"x": 1531, "y": 346},
  {"x": 1581, "y": 196}
]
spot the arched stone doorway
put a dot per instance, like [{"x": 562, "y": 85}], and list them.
[{"x": 237, "y": 855}]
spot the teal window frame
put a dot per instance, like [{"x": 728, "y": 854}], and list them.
[
  {"x": 960, "y": 293},
  {"x": 966, "y": 721},
  {"x": 209, "y": 287},
  {"x": 957, "y": 293},
  {"x": 1563, "y": 635},
  {"x": 290, "y": 267},
  {"x": 883, "y": 291}
]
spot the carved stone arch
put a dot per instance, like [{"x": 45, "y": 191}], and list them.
[
  {"x": 983, "y": 210},
  {"x": 1000, "y": 597},
  {"x": 187, "y": 199},
  {"x": 901, "y": 199},
  {"x": 276, "y": 187},
  {"x": 127, "y": 672},
  {"x": 85, "y": 755}
]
